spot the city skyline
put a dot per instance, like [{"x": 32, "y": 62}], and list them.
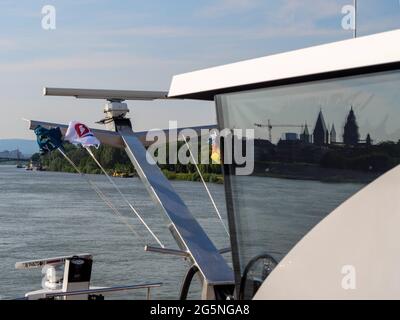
[
  {"x": 374, "y": 100},
  {"x": 323, "y": 134}
]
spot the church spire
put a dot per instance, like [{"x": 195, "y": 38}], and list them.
[
  {"x": 368, "y": 140},
  {"x": 333, "y": 134},
  {"x": 351, "y": 135},
  {"x": 320, "y": 130},
  {"x": 305, "y": 135}
]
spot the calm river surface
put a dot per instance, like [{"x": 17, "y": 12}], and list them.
[{"x": 47, "y": 214}]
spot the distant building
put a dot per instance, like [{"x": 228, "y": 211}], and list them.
[
  {"x": 351, "y": 135},
  {"x": 290, "y": 136},
  {"x": 368, "y": 141},
  {"x": 305, "y": 135},
  {"x": 14, "y": 154},
  {"x": 333, "y": 134},
  {"x": 320, "y": 134}
]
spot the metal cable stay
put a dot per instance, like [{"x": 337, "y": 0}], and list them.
[
  {"x": 205, "y": 186},
  {"x": 102, "y": 196},
  {"x": 105, "y": 199},
  {"x": 135, "y": 211},
  {"x": 109, "y": 203}
]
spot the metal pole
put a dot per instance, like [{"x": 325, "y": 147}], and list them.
[
  {"x": 355, "y": 19},
  {"x": 174, "y": 252},
  {"x": 270, "y": 130}
]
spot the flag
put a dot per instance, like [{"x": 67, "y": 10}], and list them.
[
  {"x": 48, "y": 139},
  {"x": 78, "y": 133},
  {"x": 215, "y": 151}
]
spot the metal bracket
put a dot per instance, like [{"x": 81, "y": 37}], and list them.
[{"x": 173, "y": 252}]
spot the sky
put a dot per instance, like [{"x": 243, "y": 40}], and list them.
[
  {"x": 140, "y": 45},
  {"x": 373, "y": 98}
]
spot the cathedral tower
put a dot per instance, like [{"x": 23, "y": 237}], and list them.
[
  {"x": 305, "y": 135},
  {"x": 320, "y": 133},
  {"x": 333, "y": 134},
  {"x": 351, "y": 135}
]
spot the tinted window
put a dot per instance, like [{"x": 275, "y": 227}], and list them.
[{"x": 315, "y": 145}]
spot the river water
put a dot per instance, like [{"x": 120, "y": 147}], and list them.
[{"x": 48, "y": 214}]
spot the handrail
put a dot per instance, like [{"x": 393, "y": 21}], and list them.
[
  {"x": 38, "y": 263},
  {"x": 103, "y": 290}
]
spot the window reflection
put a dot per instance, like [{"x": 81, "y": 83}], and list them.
[{"x": 315, "y": 145}]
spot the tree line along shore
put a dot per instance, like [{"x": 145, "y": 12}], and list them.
[{"x": 116, "y": 163}]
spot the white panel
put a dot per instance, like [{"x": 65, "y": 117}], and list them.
[{"x": 364, "y": 51}]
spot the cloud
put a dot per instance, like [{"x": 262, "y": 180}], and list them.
[
  {"x": 291, "y": 18},
  {"x": 284, "y": 10},
  {"x": 153, "y": 31},
  {"x": 309, "y": 9},
  {"x": 257, "y": 32},
  {"x": 301, "y": 30},
  {"x": 8, "y": 44},
  {"x": 275, "y": 19},
  {"x": 225, "y": 7},
  {"x": 103, "y": 61}
]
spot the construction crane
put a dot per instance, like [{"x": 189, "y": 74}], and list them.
[{"x": 269, "y": 126}]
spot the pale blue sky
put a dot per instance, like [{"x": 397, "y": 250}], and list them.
[{"x": 142, "y": 44}]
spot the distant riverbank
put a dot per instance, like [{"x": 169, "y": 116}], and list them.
[
  {"x": 208, "y": 177},
  {"x": 304, "y": 171},
  {"x": 14, "y": 162},
  {"x": 117, "y": 164},
  {"x": 171, "y": 175}
]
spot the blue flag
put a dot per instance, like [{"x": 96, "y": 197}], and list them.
[{"x": 48, "y": 139}]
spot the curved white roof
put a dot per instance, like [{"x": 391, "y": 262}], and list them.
[{"x": 377, "y": 49}]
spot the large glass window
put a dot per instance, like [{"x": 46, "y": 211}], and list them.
[{"x": 315, "y": 145}]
